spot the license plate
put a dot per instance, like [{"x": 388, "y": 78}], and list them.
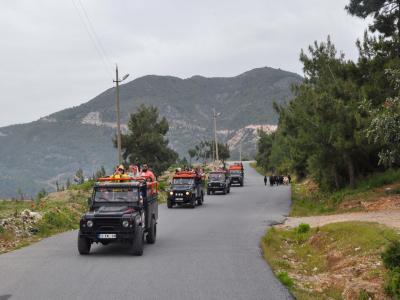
[
  {"x": 178, "y": 199},
  {"x": 107, "y": 236}
]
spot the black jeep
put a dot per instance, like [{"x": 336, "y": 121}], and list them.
[
  {"x": 218, "y": 181},
  {"x": 124, "y": 212},
  {"x": 186, "y": 189},
  {"x": 237, "y": 177}
]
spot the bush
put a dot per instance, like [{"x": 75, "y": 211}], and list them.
[
  {"x": 86, "y": 186},
  {"x": 303, "y": 228},
  {"x": 391, "y": 260},
  {"x": 162, "y": 185},
  {"x": 391, "y": 256},
  {"x": 392, "y": 283},
  {"x": 285, "y": 279}
]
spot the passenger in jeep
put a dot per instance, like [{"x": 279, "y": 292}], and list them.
[{"x": 146, "y": 172}]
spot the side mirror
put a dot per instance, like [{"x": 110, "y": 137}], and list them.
[{"x": 89, "y": 201}]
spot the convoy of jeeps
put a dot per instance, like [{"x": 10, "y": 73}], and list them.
[{"x": 124, "y": 209}]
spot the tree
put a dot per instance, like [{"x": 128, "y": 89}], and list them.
[
  {"x": 264, "y": 146},
  {"x": 41, "y": 194},
  {"x": 223, "y": 152},
  {"x": 68, "y": 184},
  {"x": 322, "y": 131},
  {"x": 20, "y": 194},
  {"x": 385, "y": 14},
  {"x": 145, "y": 142},
  {"x": 192, "y": 154},
  {"x": 100, "y": 173},
  {"x": 385, "y": 126},
  {"x": 79, "y": 177}
]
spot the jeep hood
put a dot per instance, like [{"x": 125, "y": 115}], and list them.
[{"x": 111, "y": 211}]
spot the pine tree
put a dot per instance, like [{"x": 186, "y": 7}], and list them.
[{"x": 145, "y": 142}]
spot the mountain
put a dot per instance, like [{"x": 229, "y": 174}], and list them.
[{"x": 39, "y": 153}]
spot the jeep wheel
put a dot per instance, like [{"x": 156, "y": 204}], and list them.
[
  {"x": 208, "y": 192},
  {"x": 224, "y": 191},
  {"x": 137, "y": 243},
  {"x": 193, "y": 203},
  {"x": 83, "y": 245},
  {"x": 169, "y": 203},
  {"x": 241, "y": 184},
  {"x": 152, "y": 232}
]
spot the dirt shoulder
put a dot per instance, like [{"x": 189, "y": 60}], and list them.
[{"x": 390, "y": 218}]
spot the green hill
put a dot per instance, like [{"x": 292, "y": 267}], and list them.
[{"x": 36, "y": 154}]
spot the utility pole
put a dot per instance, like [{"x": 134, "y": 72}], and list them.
[
  {"x": 240, "y": 151},
  {"x": 117, "y": 82},
  {"x": 215, "y": 134}
]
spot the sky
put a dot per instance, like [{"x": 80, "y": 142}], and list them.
[{"x": 51, "y": 59}]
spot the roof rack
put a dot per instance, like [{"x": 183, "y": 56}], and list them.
[
  {"x": 185, "y": 174},
  {"x": 130, "y": 180}
]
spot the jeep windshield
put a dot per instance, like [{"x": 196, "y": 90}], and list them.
[
  {"x": 112, "y": 194},
  {"x": 216, "y": 177},
  {"x": 236, "y": 173},
  {"x": 182, "y": 181}
]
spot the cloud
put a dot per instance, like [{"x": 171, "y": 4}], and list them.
[{"x": 48, "y": 61}]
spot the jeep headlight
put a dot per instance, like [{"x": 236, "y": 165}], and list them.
[
  {"x": 89, "y": 224},
  {"x": 125, "y": 223},
  {"x": 171, "y": 193},
  {"x": 187, "y": 193}
]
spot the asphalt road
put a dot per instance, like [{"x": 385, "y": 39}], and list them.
[{"x": 210, "y": 252}]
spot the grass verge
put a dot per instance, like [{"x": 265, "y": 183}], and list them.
[
  {"x": 259, "y": 169},
  {"x": 308, "y": 199},
  {"x": 55, "y": 213},
  {"x": 336, "y": 261}
]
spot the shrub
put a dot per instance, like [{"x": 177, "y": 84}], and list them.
[
  {"x": 162, "y": 185},
  {"x": 391, "y": 255},
  {"x": 391, "y": 260},
  {"x": 303, "y": 228},
  {"x": 392, "y": 283},
  {"x": 285, "y": 279}
]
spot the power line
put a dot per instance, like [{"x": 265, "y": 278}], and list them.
[{"x": 93, "y": 36}]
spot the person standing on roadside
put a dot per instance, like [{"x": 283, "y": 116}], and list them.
[{"x": 265, "y": 180}]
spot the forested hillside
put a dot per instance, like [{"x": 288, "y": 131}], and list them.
[{"x": 343, "y": 123}]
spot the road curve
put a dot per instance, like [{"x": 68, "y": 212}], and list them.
[{"x": 210, "y": 252}]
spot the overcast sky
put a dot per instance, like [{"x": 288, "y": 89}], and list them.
[{"x": 48, "y": 61}]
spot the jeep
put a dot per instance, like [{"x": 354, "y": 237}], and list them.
[
  {"x": 124, "y": 211},
  {"x": 236, "y": 175},
  {"x": 186, "y": 189},
  {"x": 218, "y": 181}
]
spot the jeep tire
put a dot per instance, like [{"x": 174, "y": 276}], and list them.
[
  {"x": 169, "y": 203},
  {"x": 200, "y": 200},
  {"x": 193, "y": 203},
  {"x": 208, "y": 192},
  {"x": 83, "y": 245},
  {"x": 152, "y": 232},
  {"x": 137, "y": 242}
]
